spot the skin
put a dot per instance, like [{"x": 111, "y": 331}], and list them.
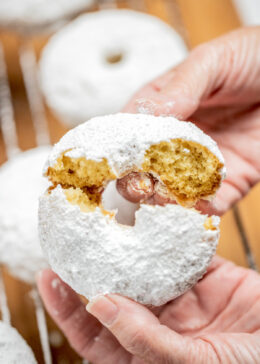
[
  {"x": 218, "y": 321},
  {"x": 218, "y": 88}
]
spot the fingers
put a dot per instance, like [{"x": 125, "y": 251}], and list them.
[
  {"x": 198, "y": 309},
  {"x": 223, "y": 71},
  {"x": 187, "y": 85},
  {"x": 127, "y": 322},
  {"x": 86, "y": 335},
  {"x": 140, "y": 332},
  {"x": 136, "y": 187},
  {"x": 142, "y": 187}
]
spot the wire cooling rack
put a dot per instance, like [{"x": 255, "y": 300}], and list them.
[{"x": 8, "y": 128}]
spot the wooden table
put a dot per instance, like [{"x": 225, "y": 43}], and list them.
[{"x": 198, "y": 21}]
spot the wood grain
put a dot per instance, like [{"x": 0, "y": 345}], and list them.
[
  {"x": 207, "y": 19},
  {"x": 249, "y": 209}
]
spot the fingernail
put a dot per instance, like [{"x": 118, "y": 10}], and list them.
[{"x": 104, "y": 309}]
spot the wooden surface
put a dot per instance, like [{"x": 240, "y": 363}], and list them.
[{"x": 197, "y": 21}]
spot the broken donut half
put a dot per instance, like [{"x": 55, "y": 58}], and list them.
[{"x": 119, "y": 216}]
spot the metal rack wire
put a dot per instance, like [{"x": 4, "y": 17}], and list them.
[
  {"x": 28, "y": 66},
  {"x": 27, "y": 60}
]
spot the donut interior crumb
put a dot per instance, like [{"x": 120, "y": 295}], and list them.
[
  {"x": 189, "y": 170},
  {"x": 77, "y": 197},
  {"x": 208, "y": 224},
  {"x": 83, "y": 180}
]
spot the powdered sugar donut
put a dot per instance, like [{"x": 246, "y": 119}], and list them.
[
  {"x": 95, "y": 64},
  {"x": 37, "y": 15},
  {"x": 13, "y": 348},
  {"x": 21, "y": 183},
  {"x": 169, "y": 247}
]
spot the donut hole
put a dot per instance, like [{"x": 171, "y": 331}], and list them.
[
  {"x": 114, "y": 57},
  {"x": 188, "y": 170},
  {"x": 112, "y": 200}
]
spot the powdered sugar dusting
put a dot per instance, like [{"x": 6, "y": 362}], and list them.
[
  {"x": 145, "y": 106},
  {"x": 158, "y": 259},
  {"x": 21, "y": 183},
  {"x": 162, "y": 255},
  {"x": 125, "y": 138},
  {"x": 13, "y": 348},
  {"x": 55, "y": 283}
]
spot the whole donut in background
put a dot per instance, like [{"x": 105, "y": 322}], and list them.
[
  {"x": 13, "y": 348},
  {"x": 21, "y": 184},
  {"x": 32, "y": 16},
  {"x": 96, "y": 63},
  {"x": 96, "y": 249}
]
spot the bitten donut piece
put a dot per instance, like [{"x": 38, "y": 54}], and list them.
[
  {"x": 21, "y": 184},
  {"x": 29, "y": 16},
  {"x": 179, "y": 155},
  {"x": 94, "y": 65},
  {"x": 13, "y": 348},
  {"x": 169, "y": 247}
]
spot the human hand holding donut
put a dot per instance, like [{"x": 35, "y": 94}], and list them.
[
  {"x": 216, "y": 321},
  {"x": 218, "y": 87}
]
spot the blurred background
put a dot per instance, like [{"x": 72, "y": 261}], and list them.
[{"x": 197, "y": 22}]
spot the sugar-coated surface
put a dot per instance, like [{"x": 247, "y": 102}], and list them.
[
  {"x": 79, "y": 83},
  {"x": 21, "y": 184},
  {"x": 162, "y": 255},
  {"x": 35, "y": 15},
  {"x": 158, "y": 259},
  {"x": 124, "y": 138},
  {"x": 13, "y": 348}
]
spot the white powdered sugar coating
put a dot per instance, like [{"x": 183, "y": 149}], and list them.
[
  {"x": 78, "y": 81},
  {"x": 158, "y": 259},
  {"x": 124, "y": 138},
  {"x": 162, "y": 255},
  {"x": 13, "y": 348},
  {"x": 21, "y": 184},
  {"x": 37, "y": 15}
]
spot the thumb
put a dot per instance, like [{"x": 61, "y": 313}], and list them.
[
  {"x": 140, "y": 332},
  {"x": 180, "y": 91},
  {"x": 213, "y": 74}
]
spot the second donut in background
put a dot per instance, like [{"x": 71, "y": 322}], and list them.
[{"x": 94, "y": 65}]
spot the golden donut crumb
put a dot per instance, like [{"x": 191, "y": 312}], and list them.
[
  {"x": 188, "y": 170},
  {"x": 83, "y": 180},
  {"x": 208, "y": 224}
]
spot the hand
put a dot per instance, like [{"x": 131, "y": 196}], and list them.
[
  {"x": 217, "y": 87},
  {"x": 217, "y": 321}
]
